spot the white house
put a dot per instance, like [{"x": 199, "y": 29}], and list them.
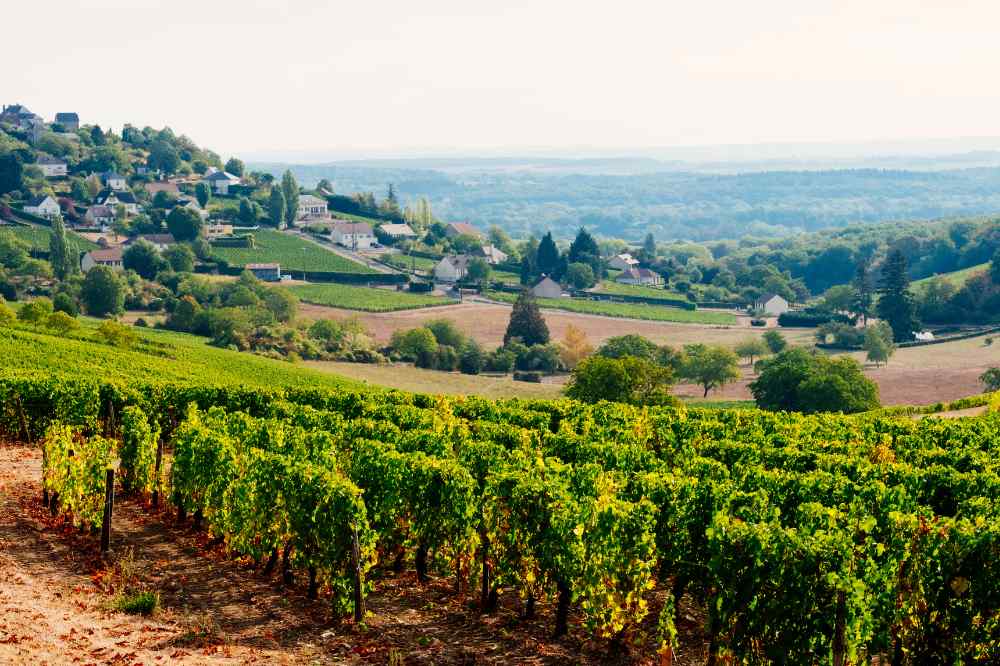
[
  {"x": 546, "y": 288},
  {"x": 112, "y": 198},
  {"x": 100, "y": 216},
  {"x": 355, "y": 235},
  {"x": 43, "y": 206},
  {"x": 221, "y": 181},
  {"x": 52, "y": 167},
  {"x": 113, "y": 180},
  {"x": 640, "y": 276},
  {"x": 623, "y": 261},
  {"x": 160, "y": 241},
  {"x": 492, "y": 255},
  {"x": 397, "y": 231},
  {"x": 111, "y": 257},
  {"x": 772, "y": 304},
  {"x": 452, "y": 268},
  {"x": 311, "y": 207}
]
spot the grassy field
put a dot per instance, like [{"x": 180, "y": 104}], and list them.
[
  {"x": 366, "y": 299},
  {"x": 957, "y": 278},
  {"x": 160, "y": 355},
  {"x": 292, "y": 252},
  {"x": 356, "y": 218},
  {"x": 418, "y": 380},
  {"x": 612, "y": 287},
  {"x": 418, "y": 263},
  {"x": 38, "y": 237},
  {"x": 626, "y": 310}
]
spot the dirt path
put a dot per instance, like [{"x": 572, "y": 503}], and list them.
[{"x": 54, "y": 602}]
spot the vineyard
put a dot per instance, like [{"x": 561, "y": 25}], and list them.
[
  {"x": 365, "y": 299},
  {"x": 627, "y": 310},
  {"x": 292, "y": 252},
  {"x": 806, "y": 539}
]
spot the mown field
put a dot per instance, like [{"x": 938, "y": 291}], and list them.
[
  {"x": 292, "y": 252},
  {"x": 955, "y": 278},
  {"x": 365, "y": 299},
  {"x": 159, "y": 356},
  {"x": 625, "y": 310},
  {"x": 38, "y": 237}
]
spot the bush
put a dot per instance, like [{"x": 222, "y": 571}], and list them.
[
  {"x": 841, "y": 335},
  {"x": 758, "y": 322},
  {"x": 628, "y": 379},
  {"x": 528, "y": 376},
  {"x": 421, "y": 287},
  {"x": 61, "y": 323},
  {"x": 471, "y": 360},
  {"x": 116, "y": 334},
  {"x": 141, "y": 323},
  {"x": 446, "y": 358},
  {"x": 7, "y": 291},
  {"x": 501, "y": 360},
  {"x": 811, "y": 318},
  {"x": 796, "y": 380},
  {"x": 63, "y": 302},
  {"x": 35, "y": 312},
  {"x": 137, "y": 603}
]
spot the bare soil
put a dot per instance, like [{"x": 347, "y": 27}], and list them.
[{"x": 55, "y": 603}]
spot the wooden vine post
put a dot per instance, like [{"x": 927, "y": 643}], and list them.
[
  {"x": 359, "y": 597},
  {"x": 156, "y": 473},
  {"x": 109, "y": 505}
]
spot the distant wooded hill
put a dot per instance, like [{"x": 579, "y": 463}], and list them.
[{"x": 525, "y": 196}]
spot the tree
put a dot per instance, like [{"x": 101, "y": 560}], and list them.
[
  {"x": 445, "y": 332},
  {"x": 184, "y": 223},
  {"x": 991, "y": 379},
  {"x": 501, "y": 240},
  {"x": 895, "y": 303},
  {"x": 414, "y": 344},
  {"x": 276, "y": 207},
  {"x": 574, "y": 347},
  {"x": 995, "y": 267},
  {"x": 7, "y": 316},
  {"x": 863, "y": 291},
  {"x": 629, "y": 379},
  {"x": 61, "y": 323},
  {"x": 471, "y": 359},
  {"x": 709, "y": 367},
  {"x": 878, "y": 343},
  {"x": 630, "y": 344},
  {"x": 235, "y": 166},
  {"x": 143, "y": 258},
  {"x": 163, "y": 156},
  {"x": 839, "y": 298},
  {"x": 62, "y": 256},
  {"x": 247, "y": 215},
  {"x": 11, "y": 173},
  {"x": 203, "y": 193},
  {"x": 180, "y": 257},
  {"x": 103, "y": 292},
  {"x": 796, "y": 380},
  {"x": 547, "y": 256},
  {"x": 163, "y": 199},
  {"x": 283, "y": 304},
  {"x": 584, "y": 250},
  {"x": 97, "y": 136},
  {"x": 478, "y": 271},
  {"x": 116, "y": 334},
  {"x": 35, "y": 312},
  {"x": 580, "y": 275},
  {"x": 775, "y": 341},
  {"x": 291, "y": 191},
  {"x": 750, "y": 347},
  {"x": 324, "y": 185},
  {"x": 526, "y": 322},
  {"x": 63, "y": 302},
  {"x": 649, "y": 248}
]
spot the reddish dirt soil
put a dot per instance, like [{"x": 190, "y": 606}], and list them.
[{"x": 55, "y": 596}]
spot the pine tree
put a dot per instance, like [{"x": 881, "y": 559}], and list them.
[
  {"x": 276, "y": 207},
  {"x": 584, "y": 250},
  {"x": 895, "y": 303},
  {"x": 547, "y": 257},
  {"x": 526, "y": 322},
  {"x": 863, "y": 296},
  {"x": 290, "y": 189},
  {"x": 649, "y": 247}
]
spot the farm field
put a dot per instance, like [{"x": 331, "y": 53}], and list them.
[
  {"x": 366, "y": 299},
  {"x": 420, "y": 264},
  {"x": 406, "y": 377},
  {"x": 38, "y": 237},
  {"x": 162, "y": 355},
  {"x": 612, "y": 287},
  {"x": 292, "y": 252},
  {"x": 486, "y": 322},
  {"x": 626, "y": 310},
  {"x": 955, "y": 278}
]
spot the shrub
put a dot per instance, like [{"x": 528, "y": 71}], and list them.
[
  {"x": 7, "y": 316},
  {"x": 116, "y": 334},
  {"x": 35, "y": 312},
  {"x": 758, "y": 322},
  {"x": 446, "y": 358},
  {"x": 528, "y": 376},
  {"x": 137, "y": 603},
  {"x": 628, "y": 379},
  {"x": 796, "y": 380},
  {"x": 500, "y": 360},
  {"x": 61, "y": 323},
  {"x": 991, "y": 379},
  {"x": 471, "y": 360},
  {"x": 775, "y": 341}
]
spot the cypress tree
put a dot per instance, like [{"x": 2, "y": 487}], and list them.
[
  {"x": 547, "y": 259},
  {"x": 61, "y": 253},
  {"x": 276, "y": 207},
  {"x": 526, "y": 322},
  {"x": 290, "y": 189},
  {"x": 895, "y": 303}
]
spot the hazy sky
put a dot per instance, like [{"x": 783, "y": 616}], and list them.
[{"x": 385, "y": 77}]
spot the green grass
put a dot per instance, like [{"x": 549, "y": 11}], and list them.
[
  {"x": 626, "y": 310},
  {"x": 137, "y": 603},
  {"x": 419, "y": 263},
  {"x": 38, "y": 237},
  {"x": 292, "y": 252},
  {"x": 956, "y": 278},
  {"x": 612, "y": 287},
  {"x": 366, "y": 299},
  {"x": 356, "y": 218},
  {"x": 160, "y": 356}
]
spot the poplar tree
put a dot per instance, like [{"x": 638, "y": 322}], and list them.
[
  {"x": 276, "y": 207},
  {"x": 61, "y": 254},
  {"x": 290, "y": 189}
]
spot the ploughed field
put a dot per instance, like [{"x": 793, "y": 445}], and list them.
[{"x": 417, "y": 529}]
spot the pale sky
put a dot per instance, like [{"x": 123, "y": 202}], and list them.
[{"x": 393, "y": 77}]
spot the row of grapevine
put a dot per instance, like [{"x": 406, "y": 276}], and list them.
[{"x": 816, "y": 539}]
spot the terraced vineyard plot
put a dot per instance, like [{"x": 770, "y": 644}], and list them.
[
  {"x": 292, "y": 252},
  {"x": 38, "y": 237},
  {"x": 366, "y": 299}
]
